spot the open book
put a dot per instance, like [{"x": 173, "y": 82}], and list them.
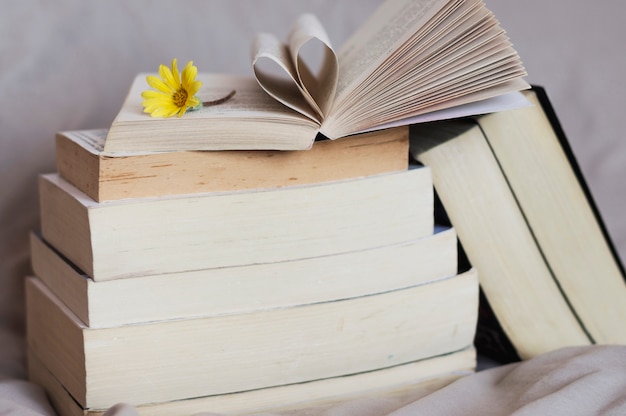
[{"x": 410, "y": 61}]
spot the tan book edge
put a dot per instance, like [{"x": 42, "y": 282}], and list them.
[
  {"x": 493, "y": 231},
  {"x": 560, "y": 217},
  {"x": 246, "y": 288},
  {"x": 79, "y": 160},
  {"x": 125, "y": 238},
  {"x": 231, "y": 353},
  {"x": 402, "y": 383}
]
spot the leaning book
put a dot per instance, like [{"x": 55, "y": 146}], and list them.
[
  {"x": 515, "y": 171},
  {"x": 541, "y": 169},
  {"x": 408, "y": 60},
  {"x": 495, "y": 235}
]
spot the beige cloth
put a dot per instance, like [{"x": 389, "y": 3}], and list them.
[{"x": 21, "y": 398}]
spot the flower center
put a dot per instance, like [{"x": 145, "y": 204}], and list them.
[{"x": 180, "y": 98}]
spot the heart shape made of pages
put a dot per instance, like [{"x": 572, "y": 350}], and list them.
[{"x": 284, "y": 70}]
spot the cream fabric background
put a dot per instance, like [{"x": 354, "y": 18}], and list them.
[{"x": 68, "y": 64}]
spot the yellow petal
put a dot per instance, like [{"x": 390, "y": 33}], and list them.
[
  {"x": 193, "y": 101},
  {"x": 153, "y": 111},
  {"x": 156, "y": 113},
  {"x": 175, "y": 73},
  {"x": 154, "y": 104},
  {"x": 156, "y": 94},
  {"x": 189, "y": 75},
  {"x": 182, "y": 111},
  {"x": 173, "y": 111},
  {"x": 157, "y": 84},
  {"x": 194, "y": 87},
  {"x": 168, "y": 77},
  {"x": 159, "y": 105},
  {"x": 164, "y": 112}
]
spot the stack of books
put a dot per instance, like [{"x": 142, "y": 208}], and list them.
[
  {"x": 272, "y": 270},
  {"x": 243, "y": 281}
]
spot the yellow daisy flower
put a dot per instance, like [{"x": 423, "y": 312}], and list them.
[{"x": 175, "y": 93}]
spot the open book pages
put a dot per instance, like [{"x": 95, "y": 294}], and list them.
[
  {"x": 411, "y": 61},
  {"x": 409, "y": 58}
]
